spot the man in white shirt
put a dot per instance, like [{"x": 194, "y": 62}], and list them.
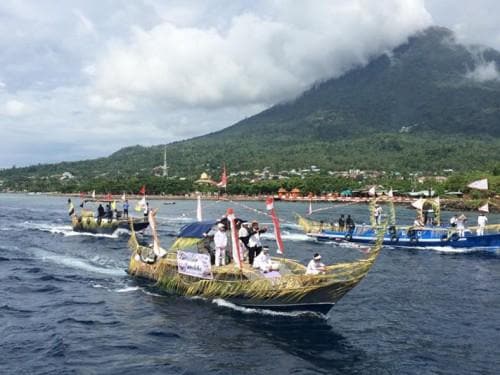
[
  {"x": 220, "y": 241},
  {"x": 315, "y": 267},
  {"x": 263, "y": 261},
  {"x": 482, "y": 220},
  {"x": 378, "y": 214}
]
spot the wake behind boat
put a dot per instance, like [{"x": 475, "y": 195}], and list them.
[{"x": 186, "y": 269}]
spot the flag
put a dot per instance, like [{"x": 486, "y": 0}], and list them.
[
  {"x": 223, "y": 179},
  {"x": 235, "y": 241},
  {"x": 123, "y": 197},
  {"x": 479, "y": 184},
  {"x": 199, "y": 216},
  {"x": 141, "y": 204},
  {"x": 93, "y": 194},
  {"x": 143, "y": 190},
  {"x": 418, "y": 204},
  {"x": 484, "y": 208},
  {"x": 371, "y": 192},
  {"x": 310, "y": 207},
  {"x": 276, "y": 224},
  {"x": 156, "y": 242},
  {"x": 390, "y": 193}
]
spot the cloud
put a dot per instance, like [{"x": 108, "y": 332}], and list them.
[
  {"x": 15, "y": 108},
  {"x": 261, "y": 56},
  {"x": 485, "y": 71}
]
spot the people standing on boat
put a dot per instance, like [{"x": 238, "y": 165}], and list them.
[
  {"x": 378, "y": 214},
  {"x": 254, "y": 244},
  {"x": 125, "y": 208},
  {"x": 482, "y": 220},
  {"x": 71, "y": 208},
  {"x": 461, "y": 224},
  {"x": 263, "y": 261},
  {"x": 349, "y": 222},
  {"x": 341, "y": 223},
  {"x": 453, "y": 221},
  {"x": 244, "y": 236},
  {"x": 109, "y": 213},
  {"x": 315, "y": 267},
  {"x": 220, "y": 240},
  {"x": 100, "y": 213}
]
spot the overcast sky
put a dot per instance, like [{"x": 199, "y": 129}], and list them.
[{"x": 80, "y": 79}]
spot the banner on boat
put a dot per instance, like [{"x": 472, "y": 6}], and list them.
[{"x": 193, "y": 264}]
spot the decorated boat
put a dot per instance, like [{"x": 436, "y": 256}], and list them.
[
  {"x": 406, "y": 236},
  {"x": 186, "y": 269},
  {"x": 87, "y": 222}
]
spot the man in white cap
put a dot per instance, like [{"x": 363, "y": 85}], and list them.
[
  {"x": 481, "y": 223},
  {"x": 315, "y": 267},
  {"x": 220, "y": 241}
]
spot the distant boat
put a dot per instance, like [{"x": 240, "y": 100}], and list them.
[
  {"x": 408, "y": 236},
  {"x": 169, "y": 202}
]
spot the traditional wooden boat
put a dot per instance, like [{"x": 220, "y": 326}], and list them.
[
  {"x": 190, "y": 273},
  {"x": 406, "y": 236}
]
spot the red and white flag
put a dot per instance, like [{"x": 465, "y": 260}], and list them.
[
  {"x": 223, "y": 179},
  {"x": 235, "y": 241},
  {"x": 276, "y": 224},
  {"x": 479, "y": 184},
  {"x": 143, "y": 190},
  {"x": 484, "y": 208}
]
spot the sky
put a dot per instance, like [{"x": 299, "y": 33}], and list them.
[{"x": 80, "y": 79}]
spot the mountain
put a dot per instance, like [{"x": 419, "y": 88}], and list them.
[{"x": 428, "y": 105}]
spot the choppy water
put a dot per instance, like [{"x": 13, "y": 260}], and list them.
[{"x": 67, "y": 306}]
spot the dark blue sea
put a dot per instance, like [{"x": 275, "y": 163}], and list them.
[{"x": 67, "y": 305}]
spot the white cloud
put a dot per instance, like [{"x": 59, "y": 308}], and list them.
[
  {"x": 486, "y": 71},
  {"x": 15, "y": 108}
]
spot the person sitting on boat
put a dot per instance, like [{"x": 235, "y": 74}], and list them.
[
  {"x": 315, "y": 267},
  {"x": 254, "y": 244},
  {"x": 220, "y": 239},
  {"x": 263, "y": 261},
  {"x": 482, "y": 220},
  {"x": 341, "y": 223},
  {"x": 349, "y": 222}
]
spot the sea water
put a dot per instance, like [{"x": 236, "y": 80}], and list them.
[{"x": 67, "y": 305}]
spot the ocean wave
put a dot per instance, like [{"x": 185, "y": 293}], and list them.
[
  {"x": 77, "y": 263},
  {"x": 248, "y": 310},
  {"x": 88, "y": 322},
  {"x": 127, "y": 289}
]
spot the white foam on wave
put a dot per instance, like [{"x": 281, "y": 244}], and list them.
[
  {"x": 77, "y": 263},
  {"x": 67, "y": 230},
  {"x": 248, "y": 310},
  {"x": 128, "y": 289}
]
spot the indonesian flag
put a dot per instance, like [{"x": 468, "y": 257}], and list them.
[
  {"x": 223, "y": 179},
  {"x": 199, "y": 216},
  {"x": 479, "y": 184},
  {"x": 93, "y": 194},
  {"x": 371, "y": 192},
  {"x": 276, "y": 224},
  {"x": 143, "y": 190},
  {"x": 484, "y": 208},
  {"x": 141, "y": 205},
  {"x": 123, "y": 197},
  {"x": 418, "y": 204},
  {"x": 390, "y": 193},
  {"x": 235, "y": 242}
]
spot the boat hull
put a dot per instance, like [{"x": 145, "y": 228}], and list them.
[{"x": 104, "y": 226}]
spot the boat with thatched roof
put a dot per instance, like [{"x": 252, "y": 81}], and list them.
[{"x": 185, "y": 269}]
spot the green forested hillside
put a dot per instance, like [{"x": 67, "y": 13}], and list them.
[{"x": 413, "y": 109}]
